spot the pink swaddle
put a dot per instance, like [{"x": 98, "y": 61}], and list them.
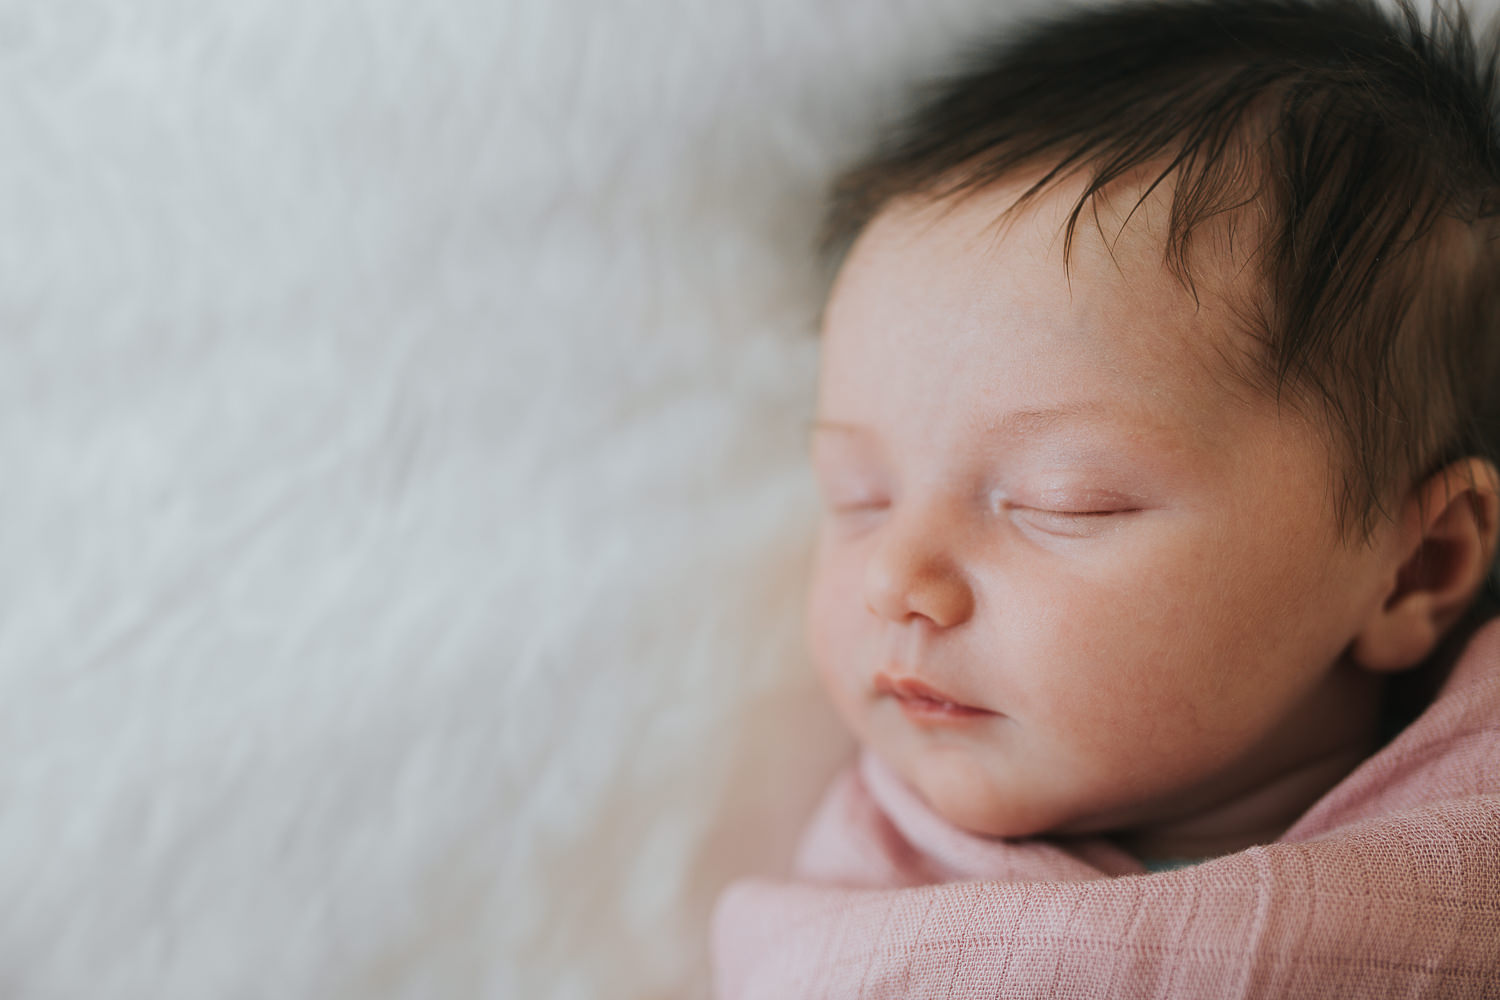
[{"x": 1388, "y": 886}]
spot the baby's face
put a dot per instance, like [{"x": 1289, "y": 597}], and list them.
[{"x": 1059, "y": 511}]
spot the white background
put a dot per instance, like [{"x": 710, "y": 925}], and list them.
[{"x": 402, "y": 411}]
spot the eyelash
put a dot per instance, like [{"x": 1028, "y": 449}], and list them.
[
  {"x": 858, "y": 507},
  {"x": 1068, "y": 515},
  {"x": 1070, "y": 523},
  {"x": 869, "y": 506}
]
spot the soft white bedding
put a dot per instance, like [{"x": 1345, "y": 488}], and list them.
[{"x": 403, "y": 515}]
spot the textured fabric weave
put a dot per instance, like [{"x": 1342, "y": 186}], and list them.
[{"x": 1388, "y": 886}]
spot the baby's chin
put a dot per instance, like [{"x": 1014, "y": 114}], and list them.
[{"x": 964, "y": 795}]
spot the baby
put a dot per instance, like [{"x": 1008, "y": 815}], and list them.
[{"x": 1159, "y": 404}]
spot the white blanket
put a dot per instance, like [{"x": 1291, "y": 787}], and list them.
[{"x": 403, "y": 512}]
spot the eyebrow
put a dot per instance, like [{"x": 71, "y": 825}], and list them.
[
  {"x": 1019, "y": 423},
  {"x": 835, "y": 426}
]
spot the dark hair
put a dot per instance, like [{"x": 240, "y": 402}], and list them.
[{"x": 1368, "y": 143}]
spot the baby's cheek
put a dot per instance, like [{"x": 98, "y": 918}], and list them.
[
  {"x": 1106, "y": 672},
  {"x": 834, "y": 639}
]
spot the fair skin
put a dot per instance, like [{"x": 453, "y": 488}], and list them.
[{"x": 1072, "y": 575}]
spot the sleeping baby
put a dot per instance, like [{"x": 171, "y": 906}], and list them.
[{"x": 1156, "y": 430}]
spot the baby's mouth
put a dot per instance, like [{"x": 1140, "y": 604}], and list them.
[{"x": 921, "y": 702}]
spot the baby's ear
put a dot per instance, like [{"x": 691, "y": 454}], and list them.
[{"x": 1447, "y": 540}]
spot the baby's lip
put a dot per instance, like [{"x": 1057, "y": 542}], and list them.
[{"x": 912, "y": 690}]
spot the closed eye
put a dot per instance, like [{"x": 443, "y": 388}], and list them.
[
  {"x": 858, "y": 506},
  {"x": 1072, "y": 523}
]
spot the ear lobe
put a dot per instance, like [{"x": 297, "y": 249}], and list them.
[{"x": 1448, "y": 541}]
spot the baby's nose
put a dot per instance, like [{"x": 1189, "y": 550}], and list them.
[{"x": 913, "y": 573}]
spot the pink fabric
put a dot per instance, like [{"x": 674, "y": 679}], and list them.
[{"x": 1389, "y": 886}]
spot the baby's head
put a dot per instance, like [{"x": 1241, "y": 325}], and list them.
[{"x": 1159, "y": 395}]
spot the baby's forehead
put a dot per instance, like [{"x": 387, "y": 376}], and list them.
[
  {"x": 1001, "y": 254},
  {"x": 954, "y": 325}
]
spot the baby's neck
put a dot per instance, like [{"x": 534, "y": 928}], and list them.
[
  {"x": 1257, "y": 801},
  {"x": 1259, "y": 817}
]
